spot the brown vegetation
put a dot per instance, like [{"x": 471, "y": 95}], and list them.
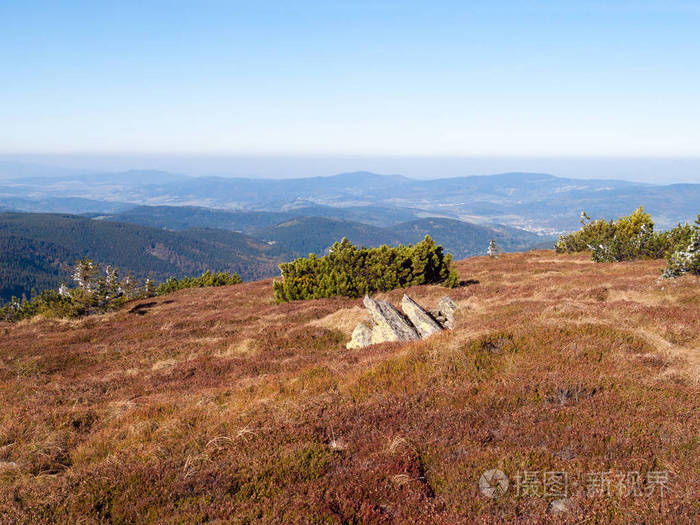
[{"x": 216, "y": 403}]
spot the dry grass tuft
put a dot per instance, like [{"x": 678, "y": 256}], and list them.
[{"x": 344, "y": 320}]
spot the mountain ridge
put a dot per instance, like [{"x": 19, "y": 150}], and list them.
[{"x": 533, "y": 201}]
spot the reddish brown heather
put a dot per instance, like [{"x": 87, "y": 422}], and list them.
[{"x": 218, "y": 404}]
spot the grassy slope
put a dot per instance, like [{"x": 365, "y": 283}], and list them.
[{"x": 216, "y": 403}]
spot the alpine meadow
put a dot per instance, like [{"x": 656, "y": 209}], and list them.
[{"x": 349, "y": 262}]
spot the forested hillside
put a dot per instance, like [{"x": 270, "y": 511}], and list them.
[
  {"x": 185, "y": 217},
  {"x": 29, "y": 264},
  {"x": 463, "y": 239},
  {"x": 305, "y": 235},
  {"x": 38, "y": 250}
]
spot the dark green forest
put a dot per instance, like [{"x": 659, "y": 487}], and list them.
[
  {"x": 37, "y": 251},
  {"x": 314, "y": 229}
]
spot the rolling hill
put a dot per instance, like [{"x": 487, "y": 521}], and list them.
[
  {"x": 300, "y": 234},
  {"x": 305, "y": 235},
  {"x": 187, "y": 217},
  {"x": 66, "y": 205},
  {"x": 463, "y": 239}
]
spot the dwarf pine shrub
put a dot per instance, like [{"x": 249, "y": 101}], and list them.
[
  {"x": 685, "y": 261},
  {"x": 208, "y": 278},
  {"x": 353, "y": 272},
  {"x": 628, "y": 238}
]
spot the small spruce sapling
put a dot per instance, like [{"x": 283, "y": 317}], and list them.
[
  {"x": 149, "y": 287},
  {"x": 492, "y": 250}
]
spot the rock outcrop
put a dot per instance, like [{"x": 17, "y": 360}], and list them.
[
  {"x": 446, "y": 309},
  {"x": 390, "y": 324},
  {"x": 422, "y": 320},
  {"x": 361, "y": 336}
]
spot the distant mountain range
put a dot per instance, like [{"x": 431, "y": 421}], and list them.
[
  {"x": 37, "y": 251},
  {"x": 172, "y": 224},
  {"x": 536, "y": 202}
]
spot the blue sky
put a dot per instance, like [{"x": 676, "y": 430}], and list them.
[{"x": 581, "y": 78}]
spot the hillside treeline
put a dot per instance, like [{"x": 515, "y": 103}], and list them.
[
  {"x": 99, "y": 290},
  {"x": 37, "y": 251}
]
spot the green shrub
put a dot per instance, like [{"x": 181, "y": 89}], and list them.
[
  {"x": 95, "y": 292},
  {"x": 353, "y": 272},
  {"x": 628, "y": 238},
  {"x": 48, "y": 303},
  {"x": 99, "y": 292},
  {"x": 685, "y": 260},
  {"x": 206, "y": 279},
  {"x": 590, "y": 234}
]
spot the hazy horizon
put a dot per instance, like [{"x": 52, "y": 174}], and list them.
[{"x": 651, "y": 170}]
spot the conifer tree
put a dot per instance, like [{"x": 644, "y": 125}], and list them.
[
  {"x": 492, "y": 250},
  {"x": 85, "y": 274},
  {"x": 149, "y": 287},
  {"x": 84, "y": 297},
  {"x": 128, "y": 287}
]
